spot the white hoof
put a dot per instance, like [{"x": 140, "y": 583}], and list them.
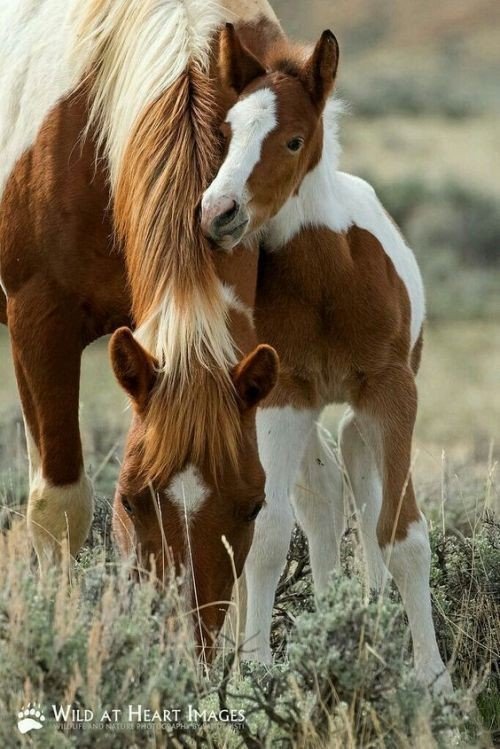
[{"x": 57, "y": 514}]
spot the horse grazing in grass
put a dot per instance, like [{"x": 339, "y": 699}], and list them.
[
  {"x": 108, "y": 137},
  {"x": 340, "y": 297}
]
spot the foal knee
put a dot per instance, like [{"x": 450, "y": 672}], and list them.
[{"x": 57, "y": 514}]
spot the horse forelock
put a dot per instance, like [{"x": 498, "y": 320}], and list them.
[{"x": 156, "y": 108}]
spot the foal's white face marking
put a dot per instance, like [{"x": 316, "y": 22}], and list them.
[
  {"x": 188, "y": 491},
  {"x": 251, "y": 120}
]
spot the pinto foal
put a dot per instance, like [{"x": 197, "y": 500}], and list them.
[{"x": 341, "y": 299}]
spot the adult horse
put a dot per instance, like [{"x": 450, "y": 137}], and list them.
[
  {"x": 107, "y": 139},
  {"x": 341, "y": 298}
]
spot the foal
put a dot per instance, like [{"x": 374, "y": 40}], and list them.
[{"x": 341, "y": 299}]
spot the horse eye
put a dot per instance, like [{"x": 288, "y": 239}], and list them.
[
  {"x": 126, "y": 505},
  {"x": 295, "y": 144},
  {"x": 255, "y": 511}
]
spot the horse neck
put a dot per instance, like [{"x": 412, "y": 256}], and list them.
[{"x": 313, "y": 204}]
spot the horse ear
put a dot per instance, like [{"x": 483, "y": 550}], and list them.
[
  {"x": 256, "y": 375},
  {"x": 134, "y": 368},
  {"x": 237, "y": 65},
  {"x": 321, "y": 68}
]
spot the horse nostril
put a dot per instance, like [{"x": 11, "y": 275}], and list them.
[{"x": 223, "y": 219}]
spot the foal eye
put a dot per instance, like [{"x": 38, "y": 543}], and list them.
[
  {"x": 295, "y": 144},
  {"x": 127, "y": 506},
  {"x": 254, "y": 511}
]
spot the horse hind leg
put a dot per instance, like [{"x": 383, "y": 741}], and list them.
[{"x": 47, "y": 353}]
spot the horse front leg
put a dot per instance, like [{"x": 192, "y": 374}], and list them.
[
  {"x": 282, "y": 435},
  {"x": 386, "y": 413},
  {"x": 46, "y": 335}
]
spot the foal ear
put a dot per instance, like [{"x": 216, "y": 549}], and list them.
[
  {"x": 134, "y": 368},
  {"x": 237, "y": 65},
  {"x": 321, "y": 68},
  {"x": 256, "y": 375}
]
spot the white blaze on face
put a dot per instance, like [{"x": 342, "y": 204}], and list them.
[
  {"x": 251, "y": 120},
  {"x": 188, "y": 491}
]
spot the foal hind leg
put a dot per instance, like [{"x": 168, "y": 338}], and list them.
[
  {"x": 319, "y": 507},
  {"x": 47, "y": 348},
  {"x": 386, "y": 411},
  {"x": 364, "y": 488}
]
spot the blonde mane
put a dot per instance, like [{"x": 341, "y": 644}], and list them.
[{"x": 156, "y": 109}]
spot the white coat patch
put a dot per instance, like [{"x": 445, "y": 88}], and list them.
[
  {"x": 188, "y": 491},
  {"x": 251, "y": 120}
]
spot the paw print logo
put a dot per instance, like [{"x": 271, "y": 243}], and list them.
[{"x": 30, "y": 718}]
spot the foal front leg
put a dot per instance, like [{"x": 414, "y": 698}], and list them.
[
  {"x": 282, "y": 435},
  {"x": 46, "y": 344},
  {"x": 387, "y": 411}
]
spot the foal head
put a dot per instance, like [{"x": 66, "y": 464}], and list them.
[
  {"x": 178, "y": 521},
  {"x": 273, "y": 133}
]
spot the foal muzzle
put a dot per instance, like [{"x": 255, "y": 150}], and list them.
[{"x": 224, "y": 220}]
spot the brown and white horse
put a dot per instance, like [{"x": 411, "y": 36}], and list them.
[
  {"x": 340, "y": 297},
  {"x": 108, "y": 137}
]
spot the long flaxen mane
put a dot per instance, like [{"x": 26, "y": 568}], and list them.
[{"x": 155, "y": 107}]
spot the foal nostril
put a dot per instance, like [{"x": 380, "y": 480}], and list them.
[{"x": 223, "y": 219}]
